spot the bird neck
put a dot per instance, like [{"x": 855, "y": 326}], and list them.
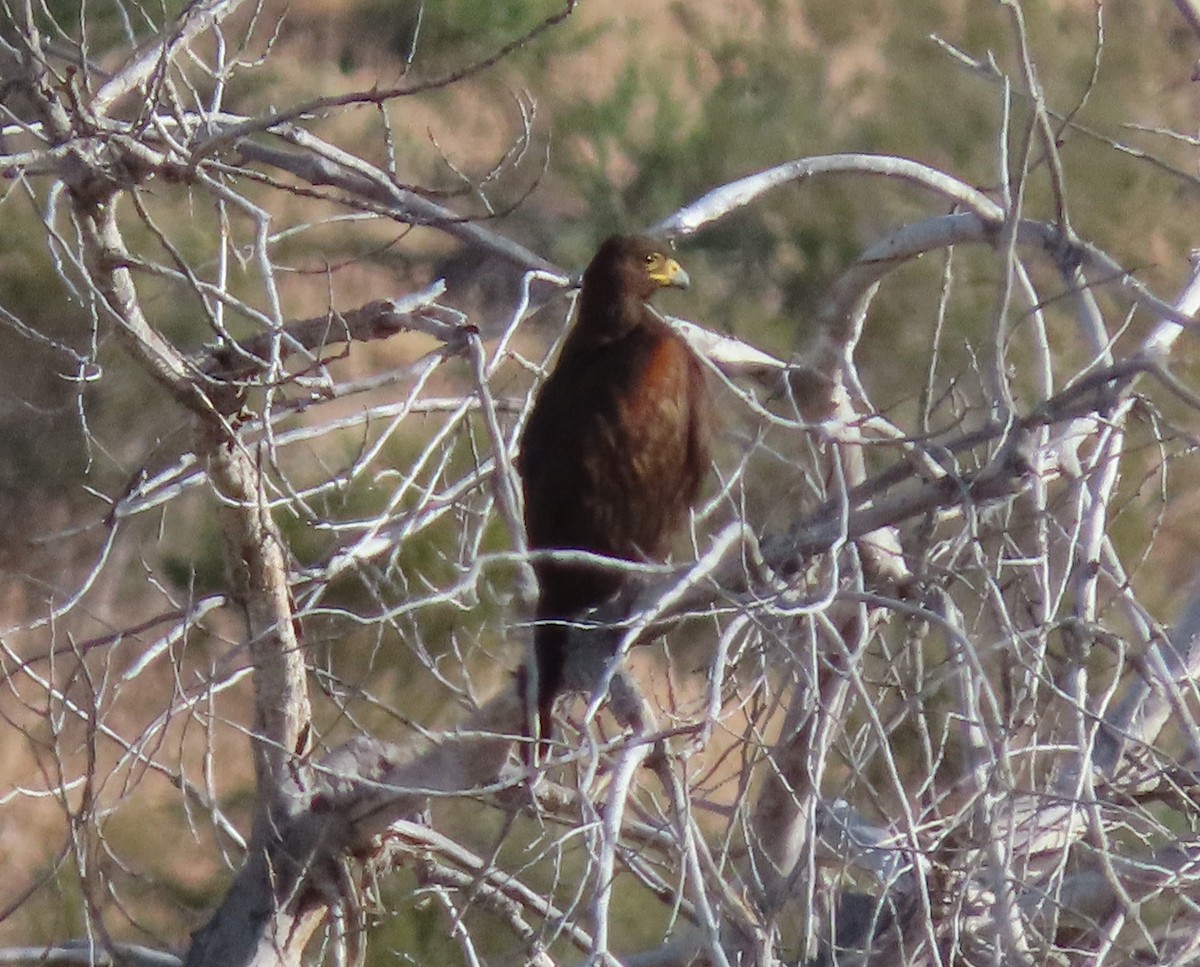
[{"x": 603, "y": 318}]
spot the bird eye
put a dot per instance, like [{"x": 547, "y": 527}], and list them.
[{"x": 650, "y": 259}]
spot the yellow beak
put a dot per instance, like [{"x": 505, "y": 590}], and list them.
[{"x": 671, "y": 274}]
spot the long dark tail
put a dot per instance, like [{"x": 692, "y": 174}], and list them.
[{"x": 549, "y": 656}]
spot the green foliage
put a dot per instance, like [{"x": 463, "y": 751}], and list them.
[
  {"x": 195, "y": 563},
  {"x": 105, "y": 25},
  {"x": 419, "y": 937},
  {"x": 422, "y": 933},
  {"x": 45, "y": 370},
  {"x": 435, "y": 36}
]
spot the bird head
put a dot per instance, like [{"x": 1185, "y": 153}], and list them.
[{"x": 634, "y": 265}]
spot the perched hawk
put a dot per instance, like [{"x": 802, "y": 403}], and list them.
[{"x": 616, "y": 448}]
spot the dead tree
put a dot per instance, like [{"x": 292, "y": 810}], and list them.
[{"x": 923, "y": 717}]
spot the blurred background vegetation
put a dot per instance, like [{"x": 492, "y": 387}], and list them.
[{"x": 636, "y": 108}]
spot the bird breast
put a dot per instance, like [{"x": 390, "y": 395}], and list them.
[{"x": 650, "y": 452}]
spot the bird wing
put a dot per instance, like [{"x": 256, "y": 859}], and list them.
[{"x": 617, "y": 446}]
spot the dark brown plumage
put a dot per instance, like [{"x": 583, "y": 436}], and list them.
[{"x": 617, "y": 445}]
